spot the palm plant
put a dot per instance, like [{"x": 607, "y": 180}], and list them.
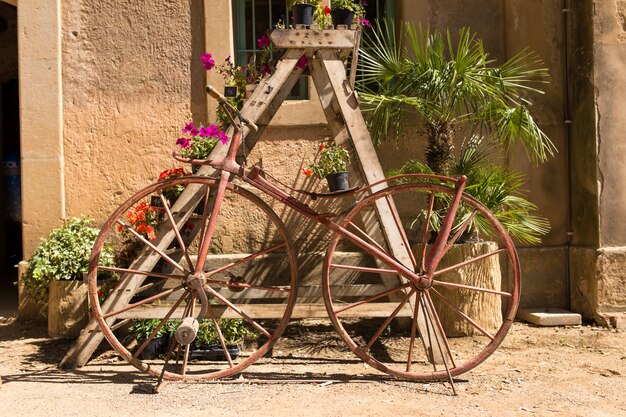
[
  {"x": 497, "y": 188},
  {"x": 448, "y": 87}
]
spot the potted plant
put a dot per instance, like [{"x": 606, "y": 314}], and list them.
[
  {"x": 141, "y": 329},
  {"x": 345, "y": 12},
  {"x": 199, "y": 141},
  {"x": 54, "y": 276},
  {"x": 302, "y": 11},
  {"x": 332, "y": 164},
  {"x": 207, "y": 344}
]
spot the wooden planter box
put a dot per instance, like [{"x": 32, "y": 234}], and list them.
[{"x": 67, "y": 308}]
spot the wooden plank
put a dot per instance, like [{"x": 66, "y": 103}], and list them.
[
  {"x": 314, "y": 38},
  {"x": 265, "y": 94},
  {"x": 329, "y": 70},
  {"x": 300, "y": 311}
]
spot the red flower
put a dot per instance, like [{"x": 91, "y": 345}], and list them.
[
  {"x": 307, "y": 172},
  {"x": 150, "y": 232},
  {"x": 326, "y": 10},
  {"x": 100, "y": 293},
  {"x": 321, "y": 147},
  {"x": 302, "y": 62}
]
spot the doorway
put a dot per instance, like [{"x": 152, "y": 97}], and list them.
[{"x": 10, "y": 178}]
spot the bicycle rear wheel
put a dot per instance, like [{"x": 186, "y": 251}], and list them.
[
  {"x": 461, "y": 319},
  {"x": 152, "y": 286}
]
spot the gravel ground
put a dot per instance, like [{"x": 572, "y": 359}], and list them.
[{"x": 573, "y": 371}]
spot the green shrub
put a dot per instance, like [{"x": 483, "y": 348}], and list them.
[{"x": 63, "y": 255}]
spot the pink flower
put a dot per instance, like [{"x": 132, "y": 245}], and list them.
[
  {"x": 263, "y": 42},
  {"x": 364, "y": 22},
  {"x": 209, "y": 131},
  {"x": 302, "y": 62},
  {"x": 183, "y": 143},
  {"x": 223, "y": 138},
  {"x": 207, "y": 61},
  {"x": 188, "y": 127},
  {"x": 194, "y": 132}
]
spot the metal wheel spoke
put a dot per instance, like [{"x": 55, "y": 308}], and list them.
[
  {"x": 222, "y": 342},
  {"x": 154, "y": 248},
  {"x": 191, "y": 308},
  {"x": 435, "y": 318},
  {"x": 462, "y": 314},
  {"x": 431, "y": 204},
  {"x": 205, "y": 214},
  {"x": 365, "y": 269},
  {"x": 372, "y": 298},
  {"x": 137, "y": 272},
  {"x": 388, "y": 320},
  {"x": 409, "y": 360},
  {"x": 467, "y": 262},
  {"x": 398, "y": 222},
  {"x": 469, "y": 287},
  {"x": 156, "y": 329},
  {"x": 244, "y": 260},
  {"x": 142, "y": 302},
  {"x": 461, "y": 230},
  {"x": 237, "y": 310},
  {"x": 179, "y": 238},
  {"x": 367, "y": 237}
]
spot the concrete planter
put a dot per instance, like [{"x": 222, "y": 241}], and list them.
[{"x": 67, "y": 308}]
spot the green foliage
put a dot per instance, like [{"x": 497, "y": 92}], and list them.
[
  {"x": 332, "y": 159},
  {"x": 449, "y": 85},
  {"x": 353, "y": 6},
  {"x": 496, "y": 187},
  {"x": 142, "y": 328},
  {"x": 63, "y": 255},
  {"x": 292, "y": 3},
  {"x": 233, "y": 330}
]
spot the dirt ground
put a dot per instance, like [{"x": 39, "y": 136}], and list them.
[{"x": 573, "y": 371}]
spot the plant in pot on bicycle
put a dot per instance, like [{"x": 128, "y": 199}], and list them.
[{"x": 332, "y": 164}]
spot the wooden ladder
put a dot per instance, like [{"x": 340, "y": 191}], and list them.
[{"x": 326, "y": 51}]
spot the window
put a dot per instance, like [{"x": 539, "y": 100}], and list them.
[{"x": 253, "y": 19}]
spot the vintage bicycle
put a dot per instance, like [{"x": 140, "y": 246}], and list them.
[{"x": 400, "y": 311}]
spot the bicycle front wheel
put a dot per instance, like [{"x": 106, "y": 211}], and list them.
[
  {"x": 148, "y": 250},
  {"x": 461, "y": 318}
]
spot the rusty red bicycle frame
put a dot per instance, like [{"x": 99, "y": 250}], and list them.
[{"x": 421, "y": 279}]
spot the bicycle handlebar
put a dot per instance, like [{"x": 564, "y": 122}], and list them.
[{"x": 224, "y": 102}]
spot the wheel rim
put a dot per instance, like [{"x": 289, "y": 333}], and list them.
[
  {"x": 234, "y": 332},
  {"x": 450, "y": 307}
]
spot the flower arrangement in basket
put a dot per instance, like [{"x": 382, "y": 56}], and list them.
[
  {"x": 332, "y": 164},
  {"x": 200, "y": 140}
]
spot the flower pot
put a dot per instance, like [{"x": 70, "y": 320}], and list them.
[
  {"x": 337, "y": 181},
  {"x": 213, "y": 352},
  {"x": 303, "y": 14},
  {"x": 67, "y": 308},
  {"x": 342, "y": 17},
  {"x": 155, "y": 348}
]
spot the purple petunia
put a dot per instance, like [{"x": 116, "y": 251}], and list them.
[
  {"x": 188, "y": 127},
  {"x": 263, "y": 42},
  {"x": 194, "y": 132},
  {"x": 223, "y": 138},
  {"x": 183, "y": 143},
  {"x": 207, "y": 61},
  {"x": 209, "y": 131},
  {"x": 364, "y": 22}
]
